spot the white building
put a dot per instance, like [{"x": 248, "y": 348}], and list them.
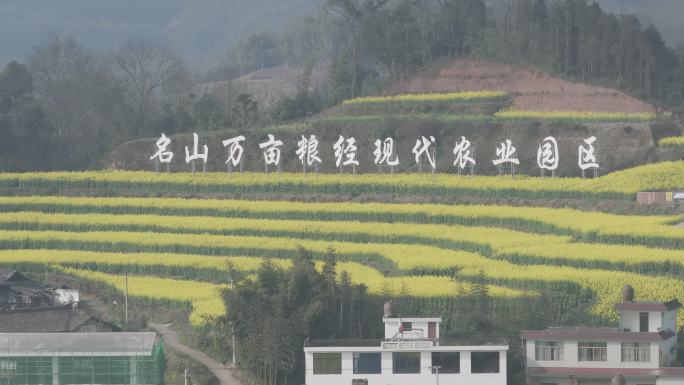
[
  {"x": 640, "y": 351},
  {"x": 411, "y": 353}
]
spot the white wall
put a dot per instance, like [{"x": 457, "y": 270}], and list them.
[
  {"x": 65, "y": 296},
  {"x": 419, "y": 326},
  {"x": 655, "y": 321},
  {"x": 566, "y": 381},
  {"x": 426, "y": 377},
  {"x": 670, "y": 381},
  {"x": 630, "y": 320},
  {"x": 570, "y": 357},
  {"x": 667, "y": 348},
  {"x": 551, "y": 380},
  {"x": 670, "y": 320}
]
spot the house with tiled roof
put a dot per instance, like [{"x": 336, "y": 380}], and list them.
[
  {"x": 642, "y": 350},
  {"x": 19, "y": 292},
  {"x": 53, "y": 319},
  {"x": 11, "y": 275}
]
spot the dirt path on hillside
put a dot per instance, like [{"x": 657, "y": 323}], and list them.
[{"x": 224, "y": 375}]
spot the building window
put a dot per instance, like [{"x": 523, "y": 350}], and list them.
[
  {"x": 111, "y": 370},
  {"x": 327, "y": 363},
  {"x": 406, "y": 362},
  {"x": 406, "y": 326},
  {"x": 367, "y": 363},
  {"x": 592, "y": 351},
  {"x": 38, "y": 370},
  {"x": 448, "y": 362},
  {"x": 7, "y": 367},
  {"x": 643, "y": 322},
  {"x": 548, "y": 351},
  {"x": 484, "y": 362},
  {"x": 636, "y": 352},
  {"x": 76, "y": 370}
]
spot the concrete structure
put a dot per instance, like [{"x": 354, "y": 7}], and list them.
[
  {"x": 642, "y": 349},
  {"x": 411, "y": 353},
  {"x": 80, "y": 358}
]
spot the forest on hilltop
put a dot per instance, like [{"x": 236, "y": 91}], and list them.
[{"x": 67, "y": 105}]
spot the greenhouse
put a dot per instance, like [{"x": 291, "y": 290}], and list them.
[{"x": 81, "y": 358}]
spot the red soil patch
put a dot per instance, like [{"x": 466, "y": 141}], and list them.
[{"x": 533, "y": 90}]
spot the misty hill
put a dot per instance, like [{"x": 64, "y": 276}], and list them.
[
  {"x": 624, "y": 144},
  {"x": 199, "y": 30},
  {"x": 666, "y": 15},
  {"x": 202, "y": 30}
]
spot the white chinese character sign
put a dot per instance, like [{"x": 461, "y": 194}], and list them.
[
  {"x": 235, "y": 151},
  {"x": 423, "y": 149},
  {"x": 587, "y": 156},
  {"x": 197, "y": 155},
  {"x": 385, "y": 155},
  {"x": 271, "y": 150},
  {"x": 547, "y": 156},
  {"x": 163, "y": 155},
  {"x": 464, "y": 156},
  {"x": 345, "y": 153},
  {"x": 505, "y": 153},
  {"x": 307, "y": 152}
]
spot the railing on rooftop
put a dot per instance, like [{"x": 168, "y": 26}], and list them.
[
  {"x": 401, "y": 343},
  {"x": 344, "y": 342}
]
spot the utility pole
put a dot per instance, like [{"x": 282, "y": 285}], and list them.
[
  {"x": 232, "y": 329},
  {"x": 186, "y": 377},
  {"x": 126, "y": 302}
]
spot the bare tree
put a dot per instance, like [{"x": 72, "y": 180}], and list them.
[
  {"x": 82, "y": 102},
  {"x": 350, "y": 12},
  {"x": 144, "y": 68},
  {"x": 63, "y": 72}
]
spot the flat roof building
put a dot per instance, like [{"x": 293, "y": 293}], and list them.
[
  {"x": 640, "y": 351},
  {"x": 412, "y": 352}
]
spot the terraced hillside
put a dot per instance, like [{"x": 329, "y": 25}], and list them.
[
  {"x": 485, "y": 102},
  {"x": 533, "y": 90},
  {"x": 185, "y": 251},
  {"x": 620, "y": 186}
]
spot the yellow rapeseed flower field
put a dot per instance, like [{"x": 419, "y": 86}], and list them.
[
  {"x": 673, "y": 141},
  {"x": 417, "y": 286},
  {"x": 434, "y": 97},
  {"x": 394, "y": 249},
  {"x": 630, "y": 229},
  {"x": 407, "y": 258},
  {"x": 204, "y": 297},
  {"x": 577, "y": 115},
  {"x": 617, "y": 185}
]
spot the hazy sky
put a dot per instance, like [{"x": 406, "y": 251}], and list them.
[
  {"x": 199, "y": 30},
  {"x": 202, "y": 30}
]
